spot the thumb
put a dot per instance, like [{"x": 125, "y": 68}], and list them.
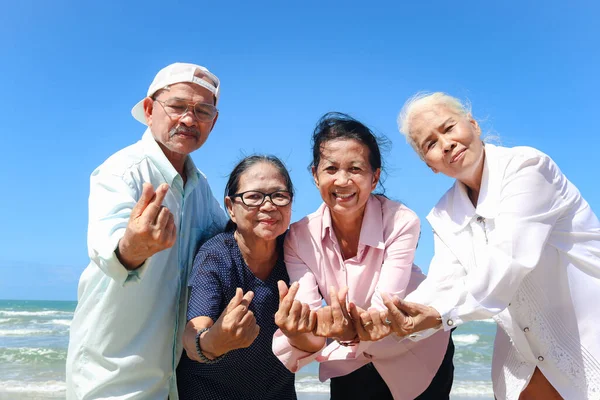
[
  {"x": 406, "y": 307},
  {"x": 235, "y": 301},
  {"x": 145, "y": 198}
]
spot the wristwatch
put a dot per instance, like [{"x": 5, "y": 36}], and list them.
[{"x": 201, "y": 355}]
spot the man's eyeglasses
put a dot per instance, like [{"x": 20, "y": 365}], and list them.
[
  {"x": 254, "y": 198},
  {"x": 176, "y": 108}
]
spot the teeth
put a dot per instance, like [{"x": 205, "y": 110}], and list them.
[{"x": 343, "y": 196}]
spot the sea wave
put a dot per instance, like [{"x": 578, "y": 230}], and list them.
[
  {"x": 35, "y": 313},
  {"x": 489, "y": 320},
  {"x": 62, "y": 322},
  {"x": 32, "y": 355},
  {"x": 311, "y": 384},
  {"x": 472, "y": 388},
  {"x": 27, "y": 332},
  {"x": 51, "y": 389},
  {"x": 464, "y": 340},
  {"x": 7, "y": 320}
]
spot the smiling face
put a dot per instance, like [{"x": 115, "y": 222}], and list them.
[
  {"x": 449, "y": 142},
  {"x": 266, "y": 221},
  {"x": 345, "y": 177}
]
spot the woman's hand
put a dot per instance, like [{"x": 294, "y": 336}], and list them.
[
  {"x": 408, "y": 318},
  {"x": 236, "y": 328},
  {"x": 371, "y": 325},
  {"x": 333, "y": 320},
  {"x": 293, "y": 318}
]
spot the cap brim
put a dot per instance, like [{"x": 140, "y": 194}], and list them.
[{"x": 138, "y": 112}]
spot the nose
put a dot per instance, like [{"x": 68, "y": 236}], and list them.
[
  {"x": 188, "y": 118},
  {"x": 342, "y": 177},
  {"x": 268, "y": 204},
  {"x": 447, "y": 144}
]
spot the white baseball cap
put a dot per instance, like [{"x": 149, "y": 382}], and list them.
[{"x": 178, "y": 73}]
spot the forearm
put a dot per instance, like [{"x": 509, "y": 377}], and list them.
[{"x": 307, "y": 342}]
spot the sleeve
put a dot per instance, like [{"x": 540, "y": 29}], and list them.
[
  {"x": 110, "y": 203},
  {"x": 532, "y": 199},
  {"x": 308, "y": 293},
  {"x": 206, "y": 287},
  {"x": 398, "y": 260}
]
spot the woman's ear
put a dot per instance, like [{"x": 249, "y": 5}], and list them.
[
  {"x": 475, "y": 124},
  {"x": 229, "y": 206},
  {"x": 313, "y": 169},
  {"x": 376, "y": 177}
]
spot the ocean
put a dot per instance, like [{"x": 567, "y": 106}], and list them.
[{"x": 33, "y": 349}]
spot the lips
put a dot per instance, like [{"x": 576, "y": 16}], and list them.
[
  {"x": 457, "y": 156},
  {"x": 343, "y": 196}
]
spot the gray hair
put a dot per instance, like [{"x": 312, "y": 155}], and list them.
[{"x": 424, "y": 101}]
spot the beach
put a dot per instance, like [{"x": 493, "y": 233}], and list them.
[{"x": 34, "y": 338}]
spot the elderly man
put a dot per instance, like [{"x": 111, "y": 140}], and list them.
[{"x": 149, "y": 210}]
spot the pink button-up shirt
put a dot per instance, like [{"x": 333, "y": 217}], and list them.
[{"x": 383, "y": 263}]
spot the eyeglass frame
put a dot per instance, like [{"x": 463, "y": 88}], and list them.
[
  {"x": 265, "y": 195},
  {"x": 187, "y": 109}
]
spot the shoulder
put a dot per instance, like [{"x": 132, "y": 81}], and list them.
[
  {"x": 309, "y": 225},
  {"x": 397, "y": 219},
  {"x": 395, "y": 210},
  {"x": 510, "y": 160},
  {"x": 123, "y": 160},
  {"x": 217, "y": 251}
]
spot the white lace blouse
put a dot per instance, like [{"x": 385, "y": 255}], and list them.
[{"x": 528, "y": 256}]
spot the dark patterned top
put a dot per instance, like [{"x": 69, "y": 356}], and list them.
[{"x": 250, "y": 373}]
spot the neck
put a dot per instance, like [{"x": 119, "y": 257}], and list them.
[
  {"x": 473, "y": 184},
  {"x": 347, "y": 230},
  {"x": 177, "y": 160},
  {"x": 260, "y": 255}
]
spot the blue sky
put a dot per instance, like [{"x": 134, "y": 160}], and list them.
[{"x": 72, "y": 70}]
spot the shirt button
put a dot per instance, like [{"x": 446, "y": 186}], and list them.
[
  {"x": 540, "y": 358},
  {"x": 480, "y": 219},
  {"x": 526, "y": 329},
  {"x": 450, "y": 322}
]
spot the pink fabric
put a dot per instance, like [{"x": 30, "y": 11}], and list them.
[{"x": 384, "y": 263}]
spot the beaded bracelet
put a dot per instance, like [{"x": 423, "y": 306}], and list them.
[{"x": 201, "y": 355}]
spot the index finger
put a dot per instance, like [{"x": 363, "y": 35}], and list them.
[
  {"x": 145, "y": 198},
  {"x": 283, "y": 290},
  {"x": 286, "y": 303},
  {"x": 336, "y": 309},
  {"x": 161, "y": 192},
  {"x": 395, "y": 313}
]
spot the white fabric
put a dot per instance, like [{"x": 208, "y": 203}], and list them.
[
  {"x": 529, "y": 256},
  {"x": 125, "y": 338}
]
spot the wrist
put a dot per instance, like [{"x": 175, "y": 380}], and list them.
[
  {"x": 124, "y": 256},
  {"x": 202, "y": 352}
]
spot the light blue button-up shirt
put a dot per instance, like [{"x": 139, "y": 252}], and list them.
[{"x": 125, "y": 338}]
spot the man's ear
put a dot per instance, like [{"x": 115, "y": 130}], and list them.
[{"x": 148, "y": 106}]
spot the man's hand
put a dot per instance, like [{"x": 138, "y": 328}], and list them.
[
  {"x": 151, "y": 228},
  {"x": 333, "y": 321},
  {"x": 408, "y": 318},
  {"x": 236, "y": 328},
  {"x": 371, "y": 325}
]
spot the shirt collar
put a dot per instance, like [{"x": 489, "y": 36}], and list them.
[
  {"x": 169, "y": 173},
  {"x": 371, "y": 230},
  {"x": 456, "y": 209}
]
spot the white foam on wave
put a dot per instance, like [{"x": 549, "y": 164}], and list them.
[
  {"x": 6, "y": 320},
  {"x": 48, "y": 388},
  {"x": 472, "y": 388},
  {"x": 29, "y": 354},
  {"x": 25, "y": 332},
  {"x": 63, "y": 322},
  {"x": 34, "y": 313},
  {"x": 311, "y": 384},
  {"x": 463, "y": 340},
  {"x": 489, "y": 320}
]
